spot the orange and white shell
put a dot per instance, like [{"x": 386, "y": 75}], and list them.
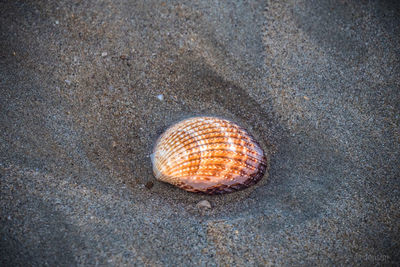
[{"x": 209, "y": 155}]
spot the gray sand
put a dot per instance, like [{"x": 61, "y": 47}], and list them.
[{"x": 316, "y": 82}]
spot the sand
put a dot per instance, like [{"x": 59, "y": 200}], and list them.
[{"x": 86, "y": 89}]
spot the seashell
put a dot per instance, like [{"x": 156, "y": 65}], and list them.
[{"x": 209, "y": 155}]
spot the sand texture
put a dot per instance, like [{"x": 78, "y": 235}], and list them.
[{"x": 86, "y": 88}]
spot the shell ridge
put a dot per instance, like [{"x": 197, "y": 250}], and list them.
[
  {"x": 241, "y": 153},
  {"x": 172, "y": 139},
  {"x": 247, "y": 165},
  {"x": 194, "y": 151},
  {"x": 183, "y": 144},
  {"x": 210, "y": 165},
  {"x": 215, "y": 144}
]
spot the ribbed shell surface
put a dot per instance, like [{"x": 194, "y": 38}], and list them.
[{"x": 209, "y": 155}]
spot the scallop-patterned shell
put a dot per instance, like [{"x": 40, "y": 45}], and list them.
[{"x": 209, "y": 155}]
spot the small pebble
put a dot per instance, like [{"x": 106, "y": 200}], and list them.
[
  {"x": 104, "y": 54},
  {"x": 160, "y": 97},
  {"x": 57, "y": 22},
  {"x": 68, "y": 82},
  {"x": 204, "y": 204}
]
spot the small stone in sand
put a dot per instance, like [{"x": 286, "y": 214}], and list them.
[
  {"x": 114, "y": 144},
  {"x": 104, "y": 54},
  {"x": 204, "y": 204},
  {"x": 160, "y": 97}
]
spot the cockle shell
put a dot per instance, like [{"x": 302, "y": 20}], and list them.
[{"x": 209, "y": 155}]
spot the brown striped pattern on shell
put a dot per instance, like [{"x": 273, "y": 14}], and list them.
[{"x": 209, "y": 155}]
